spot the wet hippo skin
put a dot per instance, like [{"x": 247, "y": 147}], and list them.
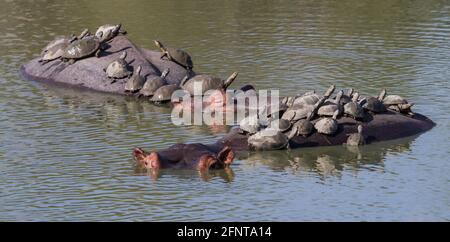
[
  {"x": 88, "y": 72},
  {"x": 186, "y": 156}
]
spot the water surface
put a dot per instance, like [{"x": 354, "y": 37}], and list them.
[{"x": 66, "y": 155}]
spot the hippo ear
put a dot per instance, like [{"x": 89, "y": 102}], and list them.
[
  {"x": 139, "y": 155},
  {"x": 226, "y": 155}
]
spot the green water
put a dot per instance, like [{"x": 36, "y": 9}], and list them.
[{"x": 66, "y": 154}]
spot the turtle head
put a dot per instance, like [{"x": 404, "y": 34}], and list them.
[
  {"x": 360, "y": 129},
  {"x": 185, "y": 79},
  {"x": 159, "y": 45},
  {"x": 149, "y": 161},
  {"x": 229, "y": 80},
  {"x": 123, "y": 55},
  {"x": 165, "y": 73},
  {"x": 83, "y": 33},
  {"x": 382, "y": 95},
  {"x": 138, "y": 70},
  {"x": 355, "y": 97},
  {"x": 339, "y": 96},
  {"x": 336, "y": 114},
  {"x": 330, "y": 91}
]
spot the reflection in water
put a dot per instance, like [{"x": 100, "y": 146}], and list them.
[
  {"x": 76, "y": 146},
  {"x": 330, "y": 161}
]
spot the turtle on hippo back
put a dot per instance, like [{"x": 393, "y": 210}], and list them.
[
  {"x": 118, "y": 69},
  {"x": 397, "y": 103},
  {"x": 135, "y": 82},
  {"x": 108, "y": 31},
  {"x": 151, "y": 85},
  {"x": 178, "y": 56},
  {"x": 207, "y": 83},
  {"x": 86, "y": 47},
  {"x": 56, "y": 48}
]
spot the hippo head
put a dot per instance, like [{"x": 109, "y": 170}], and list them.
[{"x": 197, "y": 156}]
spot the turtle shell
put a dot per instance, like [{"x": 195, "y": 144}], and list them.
[
  {"x": 205, "y": 81},
  {"x": 152, "y": 85},
  {"x": 81, "y": 48},
  {"x": 164, "y": 93},
  {"x": 354, "y": 110},
  {"x": 250, "y": 124},
  {"x": 108, "y": 31},
  {"x": 280, "y": 124},
  {"x": 56, "y": 42},
  {"x": 181, "y": 57},
  {"x": 118, "y": 69},
  {"x": 296, "y": 114},
  {"x": 374, "y": 105},
  {"x": 394, "y": 100},
  {"x": 307, "y": 100},
  {"x": 268, "y": 139},
  {"x": 135, "y": 83},
  {"x": 327, "y": 110},
  {"x": 304, "y": 127},
  {"x": 55, "y": 51},
  {"x": 326, "y": 126}
]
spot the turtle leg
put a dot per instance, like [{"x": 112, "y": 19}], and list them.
[
  {"x": 163, "y": 55},
  {"x": 97, "y": 53},
  {"x": 113, "y": 80},
  {"x": 124, "y": 32}
]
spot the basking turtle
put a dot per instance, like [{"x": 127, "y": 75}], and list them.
[
  {"x": 252, "y": 123},
  {"x": 269, "y": 139},
  {"x": 397, "y": 103},
  {"x": 64, "y": 39},
  {"x": 309, "y": 98},
  {"x": 331, "y": 106},
  {"x": 328, "y": 125},
  {"x": 353, "y": 108},
  {"x": 356, "y": 138},
  {"x": 82, "y": 48},
  {"x": 294, "y": 114},
  {"x": 111, "y": 30},
  {"x": 178, "y": 56},
  {"x": 118, "y": 69},
  {"x": 287, "y": 101},
  {"x": 304, "y": 127},
  {"x": 281, "y": 125},
  {"x": 153, "y": 84},
  {"x": 57, "y": 48},
  {"x": 164, "y": 93},
  {"x": 346, "y": 98},
  {"x": 206, "y": 83},
  {"x": 373, "y": 104},
  {"x": 135, "y": 82}
]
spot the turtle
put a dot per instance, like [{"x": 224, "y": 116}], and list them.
[
  {"x": 112, "y": 30},
  {"x": 269, "y": 139},
  {"x": 295, "y": 114},
  {"x": 328, "y": 125},
  {"x": 288, "y": 101},
  {"x": 304, "y": 127},
  {"x": 57, "y": 47},
  {"x": 206, "y": 83},
  {"x": 64, "y": 39},
  {"x": 164, "y": 93},
  {"x": 282, "y": 125},
  {"x": 306, "y": 99},
  {"x": 374, "y": 104},
  {"x": 153, "y": 84},
  {"x": 252, "y": 123},
  {"x": 178, "y": 56},
  {"x": 353, "y": 108},
  {"x": 82, "y": 48},
  {"x": 118, "y": 69},
  {"x": 356, "y": 139},
  {"x": 397, "y": 103},
  {"x": 330, "y": 106},
  {"x": 135, "y": 82},
  {"x": 346, "y": 98}
]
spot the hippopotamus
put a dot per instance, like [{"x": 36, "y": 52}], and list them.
[
  {"x": 186, "y": 156},
  {"x": 88, "y": 72}
]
